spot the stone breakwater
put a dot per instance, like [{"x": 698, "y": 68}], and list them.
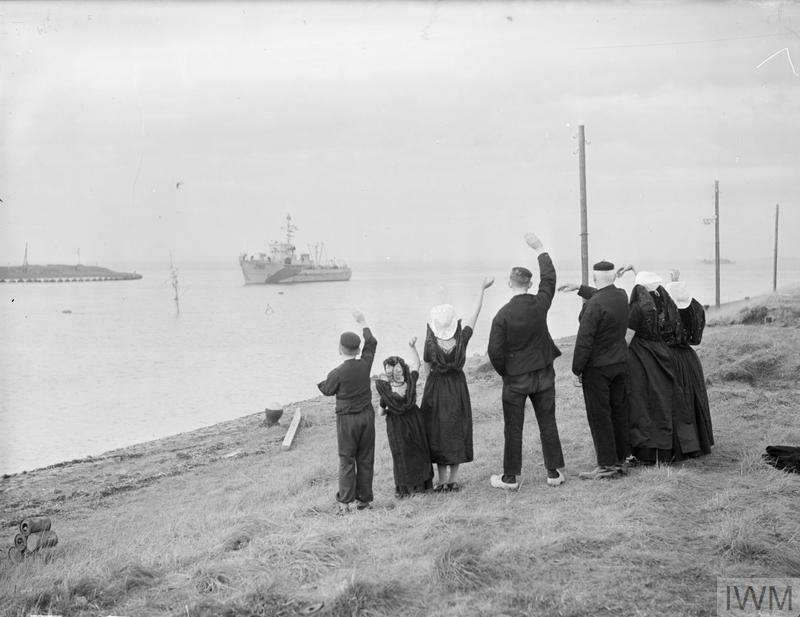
[{"x": 62, "y": 274}]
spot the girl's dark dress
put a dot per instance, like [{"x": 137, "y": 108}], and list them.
[
  {"x": 445, "y": 402},
  {"x": 405, "y": 429}
]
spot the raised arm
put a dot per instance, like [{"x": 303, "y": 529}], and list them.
[
  {"x": 415, "y": 362},
  {"x": 487, "y": 282},
  {"x": 547, "y": 272},
  {"x": 370, "y": 342}
]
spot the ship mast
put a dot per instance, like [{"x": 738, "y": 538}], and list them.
[{"x": 290, "y": 229}]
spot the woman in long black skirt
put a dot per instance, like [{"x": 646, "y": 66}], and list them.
[{"x": 689, "y": 370}]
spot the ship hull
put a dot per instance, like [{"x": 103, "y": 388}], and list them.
[{"x": 260, "y": 272}]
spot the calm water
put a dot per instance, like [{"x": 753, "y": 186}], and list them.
[{"x": 123, "y": 368}]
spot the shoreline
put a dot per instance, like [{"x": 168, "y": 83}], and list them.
[{"x": 714, "y": 316}]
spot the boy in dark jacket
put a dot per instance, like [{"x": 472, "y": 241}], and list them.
[{"x": 350, "y": 382}]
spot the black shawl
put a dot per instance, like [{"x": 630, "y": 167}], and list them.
[
  {"x": 654, "y": 315},
  {"x": 392, "y": 401}
]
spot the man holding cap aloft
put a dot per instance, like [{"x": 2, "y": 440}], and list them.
[{"x": 522, "y": 351}]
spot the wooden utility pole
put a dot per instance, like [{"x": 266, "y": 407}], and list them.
[
  {"x": 775, "y": 255},
  {"x": 716, "y": 241},
  {"x": 584, "y": 230}
]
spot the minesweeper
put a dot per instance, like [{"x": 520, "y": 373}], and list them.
[{"x": 282, "y": 265}]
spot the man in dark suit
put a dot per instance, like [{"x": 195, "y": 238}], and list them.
[
  {"x": 522, "y": 351},
  {"x": 600, "y": 363}
]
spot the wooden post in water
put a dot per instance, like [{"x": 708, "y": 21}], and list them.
[
  {"x": 174, "y": 281},
  {"x": 716, "y": 241},
  {"x": 775, "y": 256},
  {"x": 584, "y": 230}
]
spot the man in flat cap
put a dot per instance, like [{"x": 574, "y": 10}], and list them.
[
  {"x": 522, "y": 351},
  {"x": 600, "y": 363},
  {"x": 350, "y": 382}
]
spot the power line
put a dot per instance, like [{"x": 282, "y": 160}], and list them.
[{"x": 671, "y": 43}]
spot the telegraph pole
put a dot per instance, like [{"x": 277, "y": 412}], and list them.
[
  {"x": 584, "y": 230},
  {"x": 775, "y": 256},
  {"x": 716, "y": 240}
]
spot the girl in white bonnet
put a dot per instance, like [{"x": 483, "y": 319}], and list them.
[{"x": 446, "y": 403}]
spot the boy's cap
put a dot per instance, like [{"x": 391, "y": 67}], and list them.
[
  {"x": 520, "y": 275},
  {"x": 350, "y": 340},
  {"x": 603, "y": 266}
]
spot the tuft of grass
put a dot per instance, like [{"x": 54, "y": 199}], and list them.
[
  {"x": 260, "y": 601},
  {"x": 763, "y": 537},
  {"x": 133, "y": 576},
  {"x": 752, "y": 315},
  {"x": 752, "y": 354},
  {"x": 362, "y": 598},
  {"x": 314, "y": 553},
  {"x": 757, "y": 366},
  {"x": 88, "y": 587},
  {"x": 242, "y": 533},
  {"x": 321, "y": 475},
  {"x": 47, "y": 601},
  {"x": 214, "y": 578},
  {"x": 462, "y": 566},
  {"x": 264, "y": 601}
]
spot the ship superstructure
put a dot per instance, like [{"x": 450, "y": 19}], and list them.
[{"x": 283, "y": 265}]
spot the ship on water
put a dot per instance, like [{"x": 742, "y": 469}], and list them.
[
  {"x": 282, "y": 264},
  {"x": 722, "y": 260}
]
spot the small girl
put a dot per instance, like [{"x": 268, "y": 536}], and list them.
[{"x": 405, "y": 428}]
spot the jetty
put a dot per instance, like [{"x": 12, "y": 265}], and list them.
[{"x": 60, "y": 273}]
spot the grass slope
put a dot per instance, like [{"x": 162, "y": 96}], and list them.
[{"x": 223, "y": 522}]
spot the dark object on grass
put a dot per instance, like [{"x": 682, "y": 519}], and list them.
[
  {"x": 20, "y": 542},
  {"x": 272, "y": 413},
  {"x": 34, "y": 525},
  {"x": 784, "y": 457}
]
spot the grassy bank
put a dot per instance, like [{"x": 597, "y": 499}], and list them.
[{"x": 223, "y": 522}]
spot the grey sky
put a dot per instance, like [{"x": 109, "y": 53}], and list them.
[{"x": 402, "y": 130}]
